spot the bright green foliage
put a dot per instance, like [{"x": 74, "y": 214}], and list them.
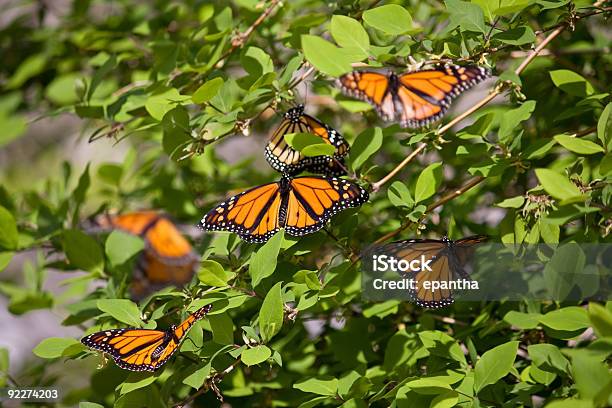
[{"x": 175, "y": 99}]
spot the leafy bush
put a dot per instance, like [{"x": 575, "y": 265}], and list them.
[{"x": 171, "y": 84}]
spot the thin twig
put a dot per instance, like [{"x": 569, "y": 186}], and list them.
[
  {"x": 210, "y": 383},
  {"x": 241, "y": 38},
  {"x": 376, "y": 186},
  {"x": 448, "y": 197}
]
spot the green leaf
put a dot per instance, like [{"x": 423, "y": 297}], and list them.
[
  {"x": 466, "y": 15},
  {"x": 399, "y": 195},
  {"x": 601, "y": 318},
  {"x": 548, "y": 358},
  {"x": 561, "y": 270},
  {"x": 428, "y": 182},
  {"x": 577, "y": 145},
  {"x": 53, "y": 347},
  {"x": 447, "y": 399},
  {"x": 87, "y": 404},
  {"x": 135, "y": 381},
  {"x": 255, "y": 355},
  {"x": 212, "y": 273},
  {"x": 198, "y": 376},
  {"x": 263, "y": 262},
  {"x": 177, "y": 132},
  {"x": 222, "y": 328},
  {"x": 83, "y": 251},
  {"x": 321, "y": 385},
  {"x": 604, "y": 127},
  {"x": 428, "y": 386},
  {"x": 571, "y": 83},
  {"x": 271, "y": 313},
  {"x": 570, "y": 318},
  {"x": 516, "y": 36},
  {"x": 523, "y": 320},
  {"x": 605, "y": 166},
  {"x": 309, "y": 145},
  {"x": 5, "y": 259},
  {"x": 207, "y": 91},
  {"x": 514, "y": 202},
  {"x": 63, "y": 89},
  {"x": 28, "y": 68},
  {"x": 110, "y": 173},
  {"x": 390, "y": 19},
  {"x": 494, "y": 364},
  {"x": 12, "y": 126},
  {"x": 488, "y": 7},
  {"x": 557, "y": 185},
  {"x": 511, "y": 119},
  {"x": 367, "y": 143},
  {"x": 349, "y": 33},
  {"x": 326, "y": 57},
  {"x": 9, "y": 237},
  {"x": 159, "y": 104},
  {"x": 511, "y": 6},
  {"x": 123, "y": 310},
  {"x": 546, "y": 5},
  {"x": 100, "y": 73},
  {"x": 121, "y": 246},
  {"x": 591, "y": 376}
]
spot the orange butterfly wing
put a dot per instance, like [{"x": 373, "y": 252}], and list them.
[
  {"x": 449, "y": 258},
  {"x": 314, "y": 200},
  {"x": 134, "y": 222},
  {"x": 415, "y": 99},
  {"x": 142, "y": 349},
  {"x": 287, "y": 160},
  {"x": 426, "y": 95},
  {"x": 372, "y": 87},
  {"x": 169, "y": 257},
  {"x": 252, "y": 214},
  {"x": 301, "y": 205}
]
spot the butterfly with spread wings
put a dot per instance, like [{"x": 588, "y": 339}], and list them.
[
  {"x": 168, "y": 257},
  {"x": 448, "y": 261},
  {"x": 143, "y": 349},
  {"x": 287, "y": 160},
  {"x": 414, "y": 99},
  {"x": 300, "y": 205}
]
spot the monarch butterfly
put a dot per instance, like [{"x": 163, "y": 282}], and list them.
[
  {"x": 448, "y": 260},
  {"x": 168, "y": 257},
  {"x": 143, "y": 349},
  {"x": 301, "y": 205},
  {"x": 415, "y": 99},
  {"x": 285, "y": 159}
]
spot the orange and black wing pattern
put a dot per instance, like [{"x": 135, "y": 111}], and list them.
[
  {"x": 168, "y": 258},
  {"x": 300, "y": 205},
  {"x": 252, "y": 214},
  {"x": 448, "y": 259},
  {"x": 287, "y": 160},
  {"x": 142, "y": 349},
  {"x": 414, "y": 99},
  {"x": 312, "y": 201}
]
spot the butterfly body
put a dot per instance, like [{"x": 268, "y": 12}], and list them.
[
  {"x": 414, "y": 99},
  {"x": 143, "y": 349},
  {"x": 300, "y": 205},
  {"x": 448, "y": 261},
  {"x": 287, "y": 160}
]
